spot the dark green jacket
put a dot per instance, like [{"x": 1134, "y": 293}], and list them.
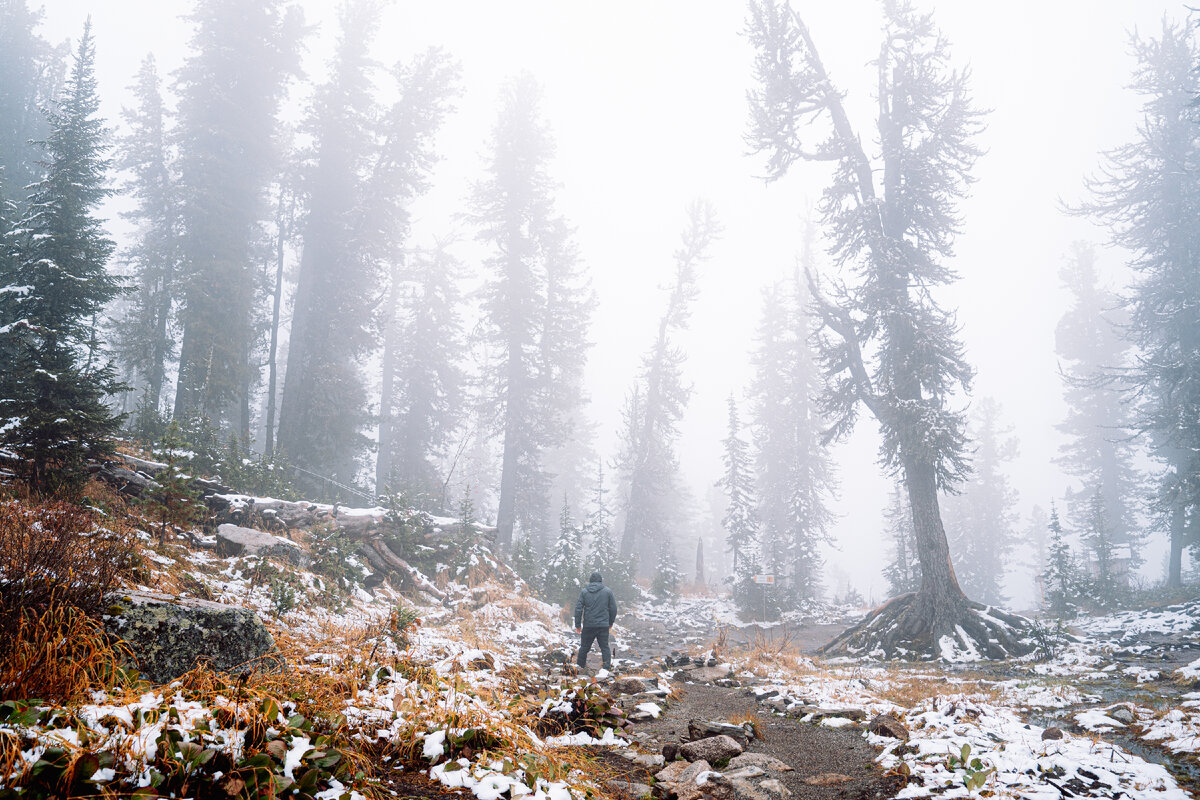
[{"x": 596, "y": 607}]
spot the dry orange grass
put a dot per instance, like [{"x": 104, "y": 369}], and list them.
[
  {"x": 58, "y": 656},
  {"x": 907, "y": 690}
]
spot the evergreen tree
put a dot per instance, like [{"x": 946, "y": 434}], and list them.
[
  {"x": 603, "y": 554},
  {"x": 655, "y": 406},
  {"x": 1106, "y": 587},
  {"x": 52, "y": 380},
  {"x": 423, "y": 353},
  {"x": 365, "y": 169},
  {"x": 1098, "y": 451},
  {"x": 31, "y": 73},
  {"x": 171, "y": 500},
  {"x": 533, "y": 279},
  {"x": 741, "y": 519},
  {"x": 230, "y": 88},
  {"x": 903, "y": 571},
  {"x": 886, "y": 343},
  {"x": 1149, "y": 197},
  {"x": 143, "y": 340},
  {"x": 981, "y": 521},
  {"x": 562, "y": 574},
  {"x": 666, "y": 572},
  {"x": 795, "y": 477},
  {"x": 1060, "y": 593}
]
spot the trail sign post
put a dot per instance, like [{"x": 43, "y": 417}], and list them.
[{"x": 769, "y": 580}]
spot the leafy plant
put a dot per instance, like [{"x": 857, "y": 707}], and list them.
[
  {"x": 975, "y": 774},
  {"x": 584, "y": 707}
]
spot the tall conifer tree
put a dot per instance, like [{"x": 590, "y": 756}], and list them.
[
  {"x": 1149, "y": 196},
  {"x": 53, "y": 379}
]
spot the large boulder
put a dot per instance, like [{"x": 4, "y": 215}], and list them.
[
  {"x": 233, "y": 540},
  {"x": 169, "y": 636},
  {"x": 714, "y": 749}
]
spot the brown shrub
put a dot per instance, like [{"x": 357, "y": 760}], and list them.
[
  {"x": 56, "y": 553},
  {"x": 57, "y": 562},
  {"x": 58, "y": 656}
]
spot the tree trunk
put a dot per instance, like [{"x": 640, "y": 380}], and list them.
[
  {"x": 1175, "y": 564},
  {"x": 273, "y": 349},
  {"x": 387, "y": 436},
  {"x": 940, "y": 601},
  {"x": 506, "y": 510}
]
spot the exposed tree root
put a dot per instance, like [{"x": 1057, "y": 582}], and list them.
[{"x": 909, "y": 627}]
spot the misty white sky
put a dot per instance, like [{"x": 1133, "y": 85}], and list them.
[{"x": 646, "y": 99}]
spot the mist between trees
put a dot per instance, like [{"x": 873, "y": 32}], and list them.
[{"x": 271, "y": 319}]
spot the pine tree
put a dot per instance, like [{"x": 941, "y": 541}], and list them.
[
  {"x": 741, "y": 519},
  {"x": 1106, "y": 588},
  {"x": 562, "y": 575},
  {"x": 31, "y": 72},
  {"x": 886, "y": 342},
  {"x": 1059, "y": 580},
  {"x": 656, "y": 404},
  {"x": 666, "y": 573},
  {"x": 230, "y": 88},
  {"x": 171, "y": 500},
  {"x": 981, "y": 521},
  {"x": 903, "y": 571},
  {"x": 794, "y": 475},
  {"x": 533, "y": 278},
  {"x": 142, "y": 338},
  {"x": 1149, "y": 198},
  {"x": 52, "y": 380},
  {"x": 603, "y": 554},
  {"x": 423, "y": 355},
  {"x": 1098, "y": 451},
  {"x": 366, "y": 167}
]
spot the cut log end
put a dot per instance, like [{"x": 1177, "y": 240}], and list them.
[{"x": 909, "y": 628}]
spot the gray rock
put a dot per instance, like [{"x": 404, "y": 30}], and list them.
[
  {"x": 712, "y": 749},
  {"x": 745, "y": 773},
  {"x": 671, "y": 773},
  {"x": 632, "y": 788},
  {"x": 888, "y": 725},
  {"x": 650, "y": 760},
  {"x": 775, "y": 787},
  {"x": 629, "y": 685},
  {"x": 1123, "y": 714},
  {"x": 710, "y": 674},
  {"x": 233, "y": 540},
  {"x": 670, "y": 751},
  {"x": 1052, "y": 734},
  {"x": 698, "y": 729},
  {"x": 761, "y": 760},
  {"x": 170, "y": 636},
  {"x": 692, "y": 771}
]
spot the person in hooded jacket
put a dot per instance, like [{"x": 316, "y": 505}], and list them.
[{"x": 595, "y": 613}]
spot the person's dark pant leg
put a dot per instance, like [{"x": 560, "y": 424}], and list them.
[
  {"x": 605, "y": 650},
  {"x": 586, "y": 637}
]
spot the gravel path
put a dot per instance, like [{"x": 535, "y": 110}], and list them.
[{"x": 811, "y": 750}]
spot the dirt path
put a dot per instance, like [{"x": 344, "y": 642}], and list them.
[{"x": 811, "y": 750}]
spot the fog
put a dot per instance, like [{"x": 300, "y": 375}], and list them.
[{"x": 647, "y": 107}]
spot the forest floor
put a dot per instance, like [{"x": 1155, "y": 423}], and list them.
[{"x": 466, "y": 705}]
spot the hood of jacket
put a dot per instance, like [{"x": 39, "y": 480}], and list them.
[{"x": 594, "y": 586}]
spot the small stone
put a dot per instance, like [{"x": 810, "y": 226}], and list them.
[
  {"x": 761, "y": 760},
  {"x": 828, "y": 779},
  {"x": 629, "y": 787},
  {"x": 888, "y": 725},
  {"x": 714, "y": 748},
  {"x": 671, "y": 773},
  {"x": 692, "y": 771},
  {"x": 702, "y": 730},
  {"x": 745, "y": 773},
  {"x": 629, "y": 685},
  {"x": 1123, "y": 714},
  {"x": 670, "y": 751},
  {"x": 650, "y": 760},
  {"x": 775, "y": 787},
  {"x": 1052, "y": 734}
]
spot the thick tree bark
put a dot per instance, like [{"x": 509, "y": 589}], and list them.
[
  {"x": 1175, "y": 564},
  {"x": 273, "y": 349},
  {"x": 387, "y": 425}
]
